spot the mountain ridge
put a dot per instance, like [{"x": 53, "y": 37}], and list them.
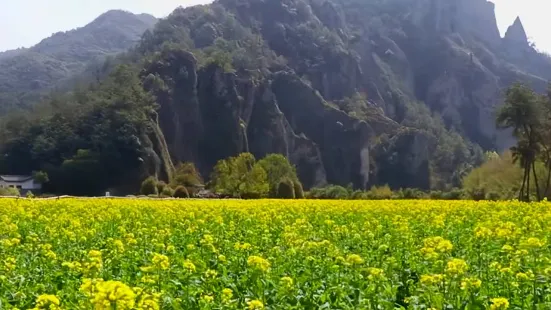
[{"x": 27, "y": 71}]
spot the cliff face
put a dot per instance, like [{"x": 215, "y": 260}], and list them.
[{"x": 399, "y": 91}]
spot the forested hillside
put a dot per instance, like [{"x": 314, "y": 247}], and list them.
[
  {"x": 396, "y": 92},
  {"x": 28, "y": 73}
]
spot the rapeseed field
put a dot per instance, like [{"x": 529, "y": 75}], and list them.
[{"x": 270, "y": 254}]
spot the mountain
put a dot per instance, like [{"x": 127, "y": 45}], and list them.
[
  {"x": 25, "y": 72},
  {"x": 398, "y": 92}
]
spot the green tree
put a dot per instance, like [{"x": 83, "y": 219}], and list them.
[
  {"x": 240, "y": 177},
  {"x": 41, "y": 177},
  {"x": 522, "y": 114},
  {"x": 277, "y": 168}
]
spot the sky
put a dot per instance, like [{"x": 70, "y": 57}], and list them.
[{"x": 24, "y": 23}]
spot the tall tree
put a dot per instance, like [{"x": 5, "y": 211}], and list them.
[{"x": 522, "y": 114}]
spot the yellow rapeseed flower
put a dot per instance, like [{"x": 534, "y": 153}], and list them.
[
  {"x": 258, "y": 263},
  {"x": 255, "y": 305},
  {"x": 456, "y": 267},
  {"x": 47, "y": 302},
  {"x": 499, "y": 303}
]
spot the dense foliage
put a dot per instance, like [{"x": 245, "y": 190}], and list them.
[
  {"x": 274, "y": 254},
  {"x": 86, "y": 142}
]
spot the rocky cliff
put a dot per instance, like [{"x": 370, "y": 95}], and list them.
[{"x": 341, "y": 87}]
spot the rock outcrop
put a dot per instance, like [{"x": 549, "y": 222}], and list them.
[{"x": 516, "y": 35}]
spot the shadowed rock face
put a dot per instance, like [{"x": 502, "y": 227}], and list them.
[{"x": 447, "y": 55}]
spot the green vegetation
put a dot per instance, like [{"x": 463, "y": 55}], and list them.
[
  {"x": 286, "y": 189},
  {"x": 149, "y": 187},
  {"x": 240, "y": 177},
  {"x": 528, "y": 115},
  {"x": 181, "y": 192}
]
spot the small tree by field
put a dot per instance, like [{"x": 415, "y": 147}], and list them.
[
  {"x": 187, "y": 175},
  {"x": 240, "y": 177},
  {"x": 277, "y": 168}
]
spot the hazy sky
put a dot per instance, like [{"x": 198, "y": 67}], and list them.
[{"x": 26, "y": 22}]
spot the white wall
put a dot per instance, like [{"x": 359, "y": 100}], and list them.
[{"x": 29, "y": 184}]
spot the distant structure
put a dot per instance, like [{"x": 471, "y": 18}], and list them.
[{"x": 24, "y": 183}]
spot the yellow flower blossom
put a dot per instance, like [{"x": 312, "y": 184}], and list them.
[{"x": 499, "y": 303}]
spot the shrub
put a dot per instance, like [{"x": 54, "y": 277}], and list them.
[
  {"x": 29, "y": 194},
  {"x": 161, "y": 185},
  {"x": 329, "y": 192},
  {"x": 453, "y": 194},
  {"x": 181, "y": 192},
  {"x": 167, "y": 191},
  {"x": 9, "y": 191},
  {"x": 286, "y": 189},
  {"x": 436, "y": 195},
  {"x": 149, "y": 187},
  {"x": 382, "y": 192},
  {"x": 358, "y": 195},
  {"x": 413, "y": 193},
  {"x": 336, "y": 192},
  {"x": 299, "y": 191}
]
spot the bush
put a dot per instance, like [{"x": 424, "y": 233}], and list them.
[
  {"x": 299, "y": 191},
  {"x": 149, "y": 187},
  {"x": 29, "y": 194},
  {"x": 453, "y": 194},
  {"x": 382, "y": 192},
  {"x": 286, "y": 189},
  {"x": 9, "y": 191},
  {"x": 437, "y": 195},
  {"x": 358, "y": 195},
  {"x": 336, "y": 192},
  {"x": 181, "y": 192},
  {"x": 167, "y": 192},
  {"x": 413, "y": 193},
  {"x": 329, "y": 192},
  {"x": 161, "y": 187}
]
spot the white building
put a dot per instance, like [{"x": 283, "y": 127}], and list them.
[{"x": 21, "y": 182}]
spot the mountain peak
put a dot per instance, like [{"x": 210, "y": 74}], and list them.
[
  {"x": 516, "y": 33},
  {"x": 117, "y": 15}
]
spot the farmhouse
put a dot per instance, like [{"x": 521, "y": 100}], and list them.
[{"x": 22, "y": 182}]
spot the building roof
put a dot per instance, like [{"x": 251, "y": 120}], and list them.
[{"x": 16, "y": 178}]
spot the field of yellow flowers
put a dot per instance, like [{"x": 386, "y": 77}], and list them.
[{"x": 269, "y": 254}]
